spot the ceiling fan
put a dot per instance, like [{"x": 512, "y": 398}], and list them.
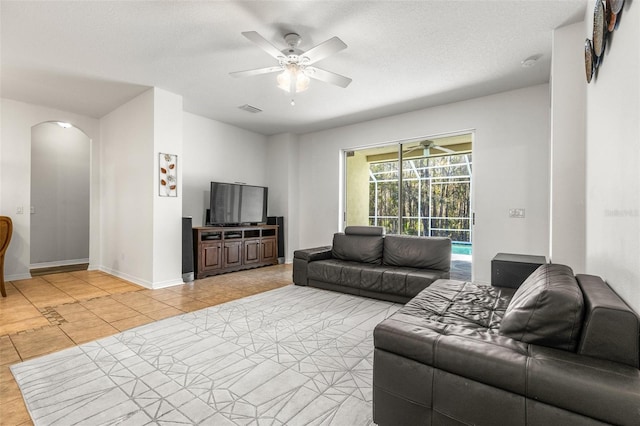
[
  {"x": 294, "y": 64},
  {"x": 426, "y": 146}
]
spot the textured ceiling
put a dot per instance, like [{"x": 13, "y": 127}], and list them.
[{"x": 90, "y": 57}]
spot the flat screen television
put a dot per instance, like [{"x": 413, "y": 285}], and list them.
[{"x": 235, "y": 204}]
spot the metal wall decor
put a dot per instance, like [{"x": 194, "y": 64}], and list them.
[
  {"x": 168, "y": 165},
  {"x": 588, "y": 60},
  {"x": 606, "y": 18}
]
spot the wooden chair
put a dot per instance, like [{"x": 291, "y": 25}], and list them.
[{"x": 6, "y": 229}]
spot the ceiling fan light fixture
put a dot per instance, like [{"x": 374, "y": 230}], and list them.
[
  {"x": 293, "y": 79},
  {"x": 302, "y": 82}
]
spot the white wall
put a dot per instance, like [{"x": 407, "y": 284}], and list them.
[
  {"x": 613, "y": 160},
  {"x": 16, "y": 120},
  {"x": 568, "y": 148},
  {"x": 127, "y": 190},
  {"x": 215, "y": 151},
  {"x": 60, "y": 195},
  {"x": 282, "y": 180},
  {"x": 167, "y": 211},
  {"x": 510, "y": 170}
]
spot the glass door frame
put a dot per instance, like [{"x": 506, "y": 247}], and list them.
[{"x": 400, "y": 143}]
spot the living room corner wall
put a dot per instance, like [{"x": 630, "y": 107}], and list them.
[
  {"x": 16, "y": 121},
  {"x": 216, "y": 151},
  {"x": 127, "y": 190},
  {"x": 167, "y": 211},
  {"x": 613, "y": 160},
  {"x": 510, "y": 160},
  {"x": 567, "y": 232},
  {"x": 141, "y": 231},
  {"x": 284, "y": 189}
]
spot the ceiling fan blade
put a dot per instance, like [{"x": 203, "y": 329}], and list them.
[
  {"x": 324, "y": 49},
  {"x": 413, "y": 149},
  {"x": 263, "y": 44},
  {"x": 327, "y": 76},
  {"x": 249, "y": 73},
  {"x": 443, "y": 149}
]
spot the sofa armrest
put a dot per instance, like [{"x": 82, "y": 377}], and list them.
[
  {"x": 611, "y": 328},
  {"x": 311, "y": 254},
  {"x": 301, "y": 259}
]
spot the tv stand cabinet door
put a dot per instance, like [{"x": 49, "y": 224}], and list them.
[
  {"x": 210, "y": 257},
  {"x": 251, "y": 251},
  {"x": 269, "y": 250},
  {"x": 232, "y": 254}
]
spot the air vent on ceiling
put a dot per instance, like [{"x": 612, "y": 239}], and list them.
[{"x": 250, "y": 108}]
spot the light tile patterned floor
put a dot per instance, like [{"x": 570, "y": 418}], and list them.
[{"x": 52, "y": 312}]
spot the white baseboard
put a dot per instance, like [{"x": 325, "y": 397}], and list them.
[
  {"x": 130, "y": 278},
  {"x": 139, "y": 281},
  {"x": 58, "y": 263},
  {"x": 127, "y": 277},
  {"x": 168, "y": 283},
  {"x": 17, "y": 277}
]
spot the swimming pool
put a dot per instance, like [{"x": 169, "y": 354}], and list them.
[{"x": 458, "y": 247}]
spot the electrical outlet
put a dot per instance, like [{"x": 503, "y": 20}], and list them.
[{"x": 516, "y": 213}]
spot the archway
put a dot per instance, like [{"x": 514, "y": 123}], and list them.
[{"x": 60, "y": 196}]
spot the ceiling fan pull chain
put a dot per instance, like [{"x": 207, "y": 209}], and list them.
[{"x": 292, "y": 87}]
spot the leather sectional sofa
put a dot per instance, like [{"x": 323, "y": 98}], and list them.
[
  {"x": 365, "y": 262},
  {"x": 559, "y": 350}
]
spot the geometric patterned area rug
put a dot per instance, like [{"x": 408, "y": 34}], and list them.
[{"x": 290, "y": 356}]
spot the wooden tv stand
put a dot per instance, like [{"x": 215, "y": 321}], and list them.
[{"x": 218, "y": 250}]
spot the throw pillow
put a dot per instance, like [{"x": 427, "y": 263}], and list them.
[{"x": 546, "y": 309}]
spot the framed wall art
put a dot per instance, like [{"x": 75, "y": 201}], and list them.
[{"x": 168, "y": 180}]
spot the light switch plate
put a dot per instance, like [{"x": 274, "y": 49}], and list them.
[{"x": 516, "y": 213}]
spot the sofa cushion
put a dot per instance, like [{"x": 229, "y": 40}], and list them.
[
  {"x": 329, "y": 270},
  {"x": 419, "y": 279},
  {"x": 547, "y": 309},
  {"x": 446, "y": 308},
  {"x": 350, "y": 274},
  {"x": 371, "y": 277},
  {"x": 358, "y": 248},
  {"x": 394, "y": 280},
  {"x": 417, "y": 252}
]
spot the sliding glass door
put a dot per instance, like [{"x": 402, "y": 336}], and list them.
[{"x": 435, "y": 178}]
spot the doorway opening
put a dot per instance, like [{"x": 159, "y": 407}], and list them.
[
  {"x": 60, "y": 198},
  {"x": 421, "y": 187}
]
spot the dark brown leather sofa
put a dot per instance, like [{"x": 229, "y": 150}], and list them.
[
  {"x": 363, "y": 261},
  {"x": 561, "y": 350}
]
